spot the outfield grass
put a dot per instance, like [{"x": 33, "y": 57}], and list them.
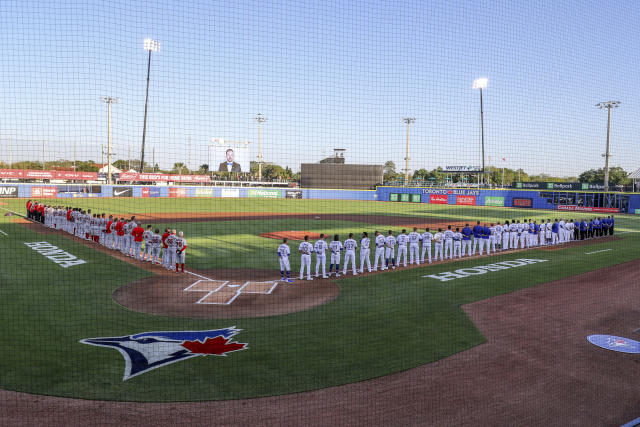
[{"x": 378, "y": 325}]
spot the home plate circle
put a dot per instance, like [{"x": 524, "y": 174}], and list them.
[{"x": 611, "y": 342}]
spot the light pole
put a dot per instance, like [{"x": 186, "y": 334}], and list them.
[
  {"x": 608, "y": 105},
  {"x": 151, "y": 46},
  {"x": 408, "y": 121},
  {"x": 481, "y": 84},
  {"x": 74, "y": 155},
  {"x": 109, "y": 100},
  {"x": 43, "y": 162},
  {"x": 260, "y": 119}
]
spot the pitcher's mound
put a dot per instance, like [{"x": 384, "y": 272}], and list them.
[{"x": 291, "y": 235}]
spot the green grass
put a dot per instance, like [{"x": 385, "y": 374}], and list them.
[{"x": 378, "y": 325}]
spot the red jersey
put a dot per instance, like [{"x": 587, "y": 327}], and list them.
[
  {"x": 119, "y": 229},
  {"x": 29, "y": 206},
  {"x": 41, "y": 209},
  {"x": 69, "y": 215},
  {"x": 108, "y": 227},
  {"x": 137, "y": 233},
  {"x": 164, "y": 237}
]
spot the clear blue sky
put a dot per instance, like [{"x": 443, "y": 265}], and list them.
[{"x": 326, "y": 74}]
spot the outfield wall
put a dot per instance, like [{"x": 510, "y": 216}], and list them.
[{"x": 590, "y": 201}]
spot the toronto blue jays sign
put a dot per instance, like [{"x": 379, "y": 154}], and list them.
[
  {"x": 612, "y": 342},
  {"x": 150, "y": 350}
]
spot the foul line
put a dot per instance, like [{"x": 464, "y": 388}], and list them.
[
  {"x": 202, "y": 277},
  {"x": 3, "y": 233},
  {"x": 596, "y": 252}
]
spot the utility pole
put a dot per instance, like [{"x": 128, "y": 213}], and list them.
[
  {"x": 10, "y": 153},
  {"x": 151, "y": 46},
  {"x": 43, "y": 154},
  {"x": 608, "y": 105},
  {"x": 260, "y": 119},
  {"x": 109, "y": 100},
  {"x": 154, "y": 159},
  {"x": 481, "y": 84},
  {"x": 74, "y": 155},
  {"x": 408, "y": 121}
]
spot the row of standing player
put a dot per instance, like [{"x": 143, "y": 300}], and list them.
[
  {"x": 124, "y": 235},
  {"x": 448, "y": 244}
]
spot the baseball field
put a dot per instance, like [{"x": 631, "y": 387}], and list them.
[{"x": 299, "y": 337}]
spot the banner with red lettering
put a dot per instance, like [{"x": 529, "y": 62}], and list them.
[
  {"x": 177, "y": 192},
  {"x": 36, "y": 174},
  {"x": 575, "y": 208},
  {"x": 155, "y": 177},
  {"x": 438, "y": 199},
  {"x": 466, "y": 200}
]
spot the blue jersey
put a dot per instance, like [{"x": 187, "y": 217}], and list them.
[
  {"x": 477, "y": 231},
  {"x": 577, "y": 225},
  {"x": 554, "y": 227},
  {"x": 583, "y": 226},
  {"x": 596, "y": 223},
  {"x": 466, "y": 233},
  {"x": 536, "y": 228},
  {"x": 486, "y": 232}
]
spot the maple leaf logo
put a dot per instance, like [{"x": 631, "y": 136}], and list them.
[{"x": 218, "y": 345}]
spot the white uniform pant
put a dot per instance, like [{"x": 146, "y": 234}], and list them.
[
  {"x": 426, "y": 248},
  {"x": 390, "y": 254},
  {"x": 402, "y": 250},
  {"x": 554, "y": 238},
  {"x": 505, "y": 241},
  {"x": 457, "y": 248},
  {"x": 379, "y": 255},
  {"x": 514, "y": 240},
  {"x": 305, "y": 261},
  {"x": 492, "y": 243},
  {"x": 438, "y": 251},
  {"x": 147, "y": 251},
  {"x": 414, "y": 253},
  {"x": 335, "y": 260},
  {"x": 136, "y": 249},
  {"x": 466, "y": 247},
  {"x": 481, "y": 245},
  {"x": 364, "y": 259},
  {"x": 321, "y": 259},
  {"x": 284, "y": 264},
  {"x": 523, "y": 239},
  {"x": 349, "y": 256},
  {"x": 169, "y": 254},
  {"x": 155, "y": 254},
  {"x": 475, "y": 245},
  {"x": 448, "y": 249},
  {"x": 180, "y": 257}
]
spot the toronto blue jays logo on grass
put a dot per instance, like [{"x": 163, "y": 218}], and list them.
[
  {"x": 150, "y": 350},
  {"x": 611, "y": 342}
]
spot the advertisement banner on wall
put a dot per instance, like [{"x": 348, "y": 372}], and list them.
[
  {"x": 466, "y": 200},
  {"x": 122, "y": 192},
  {"x": 293, "y": 194},
  {"x": 177, "y": 192},
  {"x": 393, "y": 197},
  {"x": 572, "y": 186},
  {"x": 230, "y": 193},
  {"x": 154, "y": 192},
  {"x": 438, "y": 199},
  {"x": 519, "y": 202},
  {"x": 204, "y": 192},
  {"x": 44, "y": 192},
  {"x": 7, "y": 192},
  {"x": 265, "y": 194},
  {"x": 145, "y": 191},
  {"x": 38, "y": 174},
  {"x": 494, "y": 201},
  {"x": 575, "y": 208}
]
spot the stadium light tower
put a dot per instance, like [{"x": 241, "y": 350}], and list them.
[
  {"x": 109, "y": 100},
  {"x": 480, "y": 84},
  {"x": 408, "y": 121},
  {"x": 260, "y": 119},
  {"x": 152, "y": 46},
  {"x": 608, "y": 105}
]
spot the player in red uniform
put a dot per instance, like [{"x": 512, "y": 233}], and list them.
[
  {"x": 165, "y": 252},
  {"x": 136, "y": 233}
]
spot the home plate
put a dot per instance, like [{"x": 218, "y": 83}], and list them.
[{"x": 233, "y": 286}]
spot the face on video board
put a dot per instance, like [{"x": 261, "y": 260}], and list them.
[{"x": 230, "y": 157}]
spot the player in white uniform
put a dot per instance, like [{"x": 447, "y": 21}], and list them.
[
  {"x": 457, "y": 243},
  {"x": 283, "y": 256},
  {"x": 497, "y": 236},
  {"x": 562, "y": 234},
  {"x": 146, "y": 237},
  {"x": 181, "y": 247},
  {"x": 547, "y": 234},
  {"x": 170, "y": 253},
  {"x": 335, "y": 247},
  {"x": 390, "y": 250},
  {"x": 129, "y": 238},
  {"x": 439, "y": 242},
  {"x": 523, "y": 233},
  {"x": 513, "y": 235},
  {"x": 379, "y": 255},
  {"x": 350, "y": 246},
  {"x": 426, "y": 244},
  {"x": 403, "y": 240},
  {"x": 320, "y": 248},
  {"x": 414, "y": 246},
  {"x": 364, "y": 252},
  {"x": 305, "y": 250},
  {"x": 448, "y": 243},
  {"x": 155, "y": 241},
  {"x": 541, "y": 233}
]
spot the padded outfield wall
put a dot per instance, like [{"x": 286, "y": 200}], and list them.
[{"x": 588, "y": 201}]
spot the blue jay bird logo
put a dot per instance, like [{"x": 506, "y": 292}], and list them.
[{"x": 150, "y": 350}]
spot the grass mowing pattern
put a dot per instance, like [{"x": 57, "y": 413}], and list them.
[{"x": 379, "y": 324}]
